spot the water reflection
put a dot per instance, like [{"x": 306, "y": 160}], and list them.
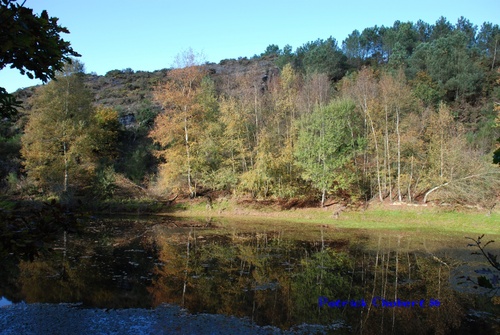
[{"x": 364, "y": 284}]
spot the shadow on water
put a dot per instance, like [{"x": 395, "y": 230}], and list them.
[{"x": 359, "y": 281}]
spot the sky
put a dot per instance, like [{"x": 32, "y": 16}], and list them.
[{"x": 147, "y": 35}]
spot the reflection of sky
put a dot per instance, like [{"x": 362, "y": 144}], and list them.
[{"x": 4, "y": 302}]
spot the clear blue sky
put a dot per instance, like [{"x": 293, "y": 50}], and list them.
[{"x": 146, "y": 35}]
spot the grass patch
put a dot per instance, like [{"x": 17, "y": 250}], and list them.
[{"x": 432, "y": 220}]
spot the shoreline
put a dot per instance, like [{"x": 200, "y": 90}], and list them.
[{"x": 396, "y": 216}]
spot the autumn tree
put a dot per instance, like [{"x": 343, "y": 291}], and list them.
[
  {"x": 59, "y": 146},
  {"x": 284, "y": 100},
  {"x": 363, "y": 89},
  {"x": 176, "y": 129},
  {"x": 397, "y": 102},
  {"x": 209, "y": 153},
  {"x": 455, "y": 170}
]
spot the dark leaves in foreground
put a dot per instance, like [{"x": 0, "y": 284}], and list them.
[{"x": 488, "y": 279}]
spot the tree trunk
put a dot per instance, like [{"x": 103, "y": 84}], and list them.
[
  {"x": 376, "y": 159},
  {"x": 449, "y": 182},
  {"x": 494, "y": 55},
  {"x": 410, "y": 180},
  {"x": 387, "y": 155},
  {"x": 399, "y": 154},
  {"x": 66, "y": 164},
  {"x": 188, "y": 156}
]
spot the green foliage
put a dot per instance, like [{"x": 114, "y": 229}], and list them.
[
  {"x": 8, "y": 104},
  {"x": 286, "y": 56},
  {"x": 137, "y": 162},
  {"x": 496, "y": 154},
  {"x": 9, "y": 153},
  {"x": 326, "y": 145},
  {"x": 145, "y": 115},
  {"x": 104, "y": 186},
  {"x": 426, "y": 89},
  {"x": 24, "y": 34},
  {"x": 323, "y": 274},
  {"x": 271, "y": 50},
  {"x": 32, "y": 44},
  {"x": 451, "y": 64},
  {"x": 324, "y": 57}
]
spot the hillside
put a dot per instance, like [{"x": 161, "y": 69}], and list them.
[
  {"x": 130, "y": 92},
  {"x": 407, "y": 113}
]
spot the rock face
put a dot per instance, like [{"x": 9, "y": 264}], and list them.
[
  {"x": 230, "y": 74},
  {"x": 127, "y": 120}
]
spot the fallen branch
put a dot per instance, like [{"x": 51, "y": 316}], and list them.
[{"x": 454, "y": 181}]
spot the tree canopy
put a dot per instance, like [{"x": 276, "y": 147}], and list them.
[
  {"x": 400, "y": 113},
  {"x": 32, "y": 44}
]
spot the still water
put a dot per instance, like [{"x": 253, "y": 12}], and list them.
[{"x": 272, "y": 273}]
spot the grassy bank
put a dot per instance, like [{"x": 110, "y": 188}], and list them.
[{"x": 426, "y": 219}]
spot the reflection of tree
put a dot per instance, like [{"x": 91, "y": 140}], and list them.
[
  {"x": 278, "y": 282},
  {"x": 392, "y": 275},
  {"x": 169, "y": 274},
  {"x": 324, "y": 273},
  {"x": 259, "y": 276}
]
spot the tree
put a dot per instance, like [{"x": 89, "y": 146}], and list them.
[
  {"x": 271, "y": 50},
  {"x": 284, "y": 95},
  {"x": 451, "y": 64},
  {"x": 286, "y": 56},
  {"x": 364, "y": 91},
  {"x": 488, "y": 41},
  {"x": 456, "y": 171},
  {"x": 442, "y": 28},
  {"x": 57, "y": 147},
  {"x": 325, "y": 57},
  {"x": 396, "y": 100},
  {"x": 496, "y": 154},
  {"x": 353, "y": 49},
  {"x": 32, "y": 44},
  {"x": 371, "y": 42},
  {"x": 326, "y": 145},
  {"x": 176, "y": 128},
  {"x": 105, "y": 131}
]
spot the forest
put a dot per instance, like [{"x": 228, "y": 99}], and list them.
[{"x": 406, "y": 113}]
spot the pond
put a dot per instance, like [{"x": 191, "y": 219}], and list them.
[{"x": 273, "y": 273}]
